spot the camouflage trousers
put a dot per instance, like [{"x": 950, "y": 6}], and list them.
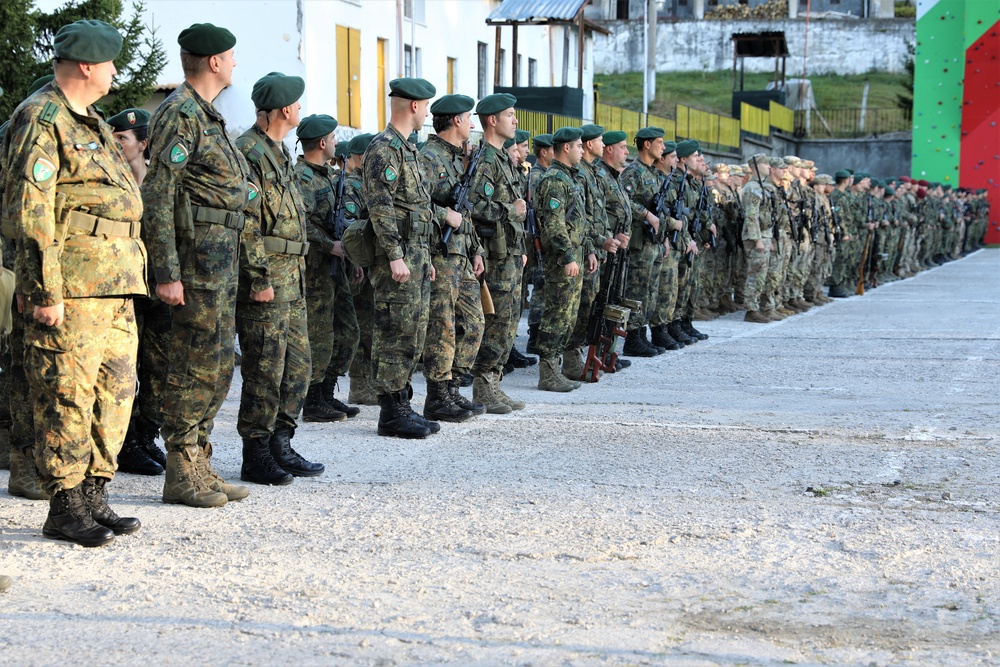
[
  {"x": 561, "y": 307},
  {"x": 842, "y": 263},
  {"x": 22, "y": 414},
  {"x": 709, "y": 275},
  {"x": 81, "y": 376},
  {"x": 455, "y": 322},
  {"x": 200, "y": 354},
  {"x": 333, "y": 325},
  {"x": 504, "y": 279},
  {"x": 364, "y": 310},
  {"x": 400, "y": 320},
  {"x": 664, "y": 303},
  {"x": 688, "y": 285},
  {"x": 799, "y": 267},
  {"x": 641, "y": 284},
  {"x": 777, "y": 271},
  {"x": 590, "y": 284},
  {"x": 820, "y": 271},
  {"x": 154, "y": 319},
  {"x": 537, "y": 303},
  {"x": 758, "y": 268},
  {"x": 274, "y": 340}
]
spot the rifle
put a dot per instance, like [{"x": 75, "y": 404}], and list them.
[
  {"x": 531, "y": 226},
  {"x": 702, "y": 208},
  {"x": 740, "y": 220},
  {"x": 860, "y": 288},
  {"x": 765, "y": 193},
  {"x": 336, "y": 221},
  {"x": 458, "y": 198},
  {"x": 788, "y": 212},
  {"x": 679, "y": 211},
  {"x": 814, "y": 228},
  {"x": 874, "y": 258},
  {"x": 608, "y": 316}
]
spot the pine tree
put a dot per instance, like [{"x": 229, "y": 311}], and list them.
[
  {"x": 905, "y": 101},
  {"x": 18, "y": 65}
]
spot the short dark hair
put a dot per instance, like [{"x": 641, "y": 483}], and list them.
[
  {"x": 310, "y": 144},
  {"x": 442, "y": 122},
  {"x": 193, "y": 65},
  {"x": 641, "y": 143},
  {"x": 539, "y": 148}
]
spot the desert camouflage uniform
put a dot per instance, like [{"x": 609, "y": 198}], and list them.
[{"x": 758, "y": 219}]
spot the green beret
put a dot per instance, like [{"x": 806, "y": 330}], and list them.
[
  {"x": 507, "y": 144},
  {"x": 851, "y": 171},
  {"x": 543, "y": 140},
  {"x": 359, "y": 144},
  {"x": 412, "y": 89},
  {"x": 452, "y": 105},
  {"x": 129, "y": 120},
  {"x": 591, "y": 131},
  {"x": 688, "y": 147},
  {"x": 860, "y": 176},
  {"x": 776, "y": 163},
  {"x": 276, "y": 91},
  {"x": 650, "y": 132},
  {"x": 341, "y": 149},
  {"x": 521, "y": 136},
  {"x": 875, "y": 183},
  {"x": 946, "y": 187},
  {"x": 612, "y": 137},
  {"x": 495, "y": 103},
  {"x": 564, "y": 135},
  {"x": 669, "y": 147},
  {"x": 316, "y": 126},
  {"x": 88, "y": 41},
  {"x": 890, "y": 191},
  {"x": 842, "y": 173},
  {"x": 38, "y": 83},
  {"x": 205, "y": 39}
]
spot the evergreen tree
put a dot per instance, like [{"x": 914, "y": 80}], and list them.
[
  {"x": 905, "y": 101},
  {"x": 18, "y": 65}
]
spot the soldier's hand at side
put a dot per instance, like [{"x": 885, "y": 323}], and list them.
[
  {"x": 713, "y": 230},
  {"x": 453, "y": 218},
  {"x": 338, "y": 250},
  {"x": 400, "y": 272},
  {"x": 759, "y": 245},
  {"x": 524, "y": 261},
  {"x": 20, "y": 304},
  {"x": 359, "y": 275},
  {"x": 520, "y": 207},
  {"x": 591, "y": 263},
  {"x": 676, "y": 224},
  {"x": 50, "y": 316},
  {"x": 433, "y": 273},
  {"x": 477, "y": 266},
  {"x": 171, "y": 294},
  {"x": 623, "y": 240},
  {"x": 654, "y": 222},
  {"x": 692, "y": 247},
  {"x": 611, "y": 244},
  {"x": 572, "y": 269},
  {"x": 266, "y": 296}
]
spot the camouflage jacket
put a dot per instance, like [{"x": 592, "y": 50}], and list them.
[
  {"x": 781, "y": 212},
  {"x": 72, "y": 201},
  {"x": 758, "y": 212},
  {"x": 194, "y": 164},
  {"x": 274, "y": 238},
  {"x": 641, "y": 183},
  {"x": 497, "y": 185},
  {"x": 562, "y": 219},
  {"x": 355, "y": 195},
  {"x": 617, "y": 204},
  {"x": 399, "y": 204},
  {"x": 536, "y": 173},
  {"x": 443, "y": 166},
  {"x": 318, "y": 186},
  {"x": 596, "y": 202}
]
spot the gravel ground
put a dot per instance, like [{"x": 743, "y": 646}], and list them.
[{"x": 821, "y": 490}]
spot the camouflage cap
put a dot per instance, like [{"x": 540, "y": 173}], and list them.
[
  {"x": 669, "y": 147},
  {"x": 651, "y": 132},
  {"x": 88, "y": 41},
  {"x": 589, "y": 132},
  {"x": 129, "y": 120},
  {"x": 687, "y": 148},
  {"x": 807, "y": 164},
  {"x": 823, "y": 179},
  {"x": 205, "y": 39},
  {"x": 721, "y": 168},
  {"x": 495, "y": 103},
  {"x": 792, "y": 161},
  {"x": 452, "y": 105},
  {"x": 736, "y": 170},
  {"x": 277, "y": 91},
  {"x": 410, "y": 88},
  {"x": 359, "y": 144},
  {"x": 776, "y": 162},
  {"x": 543, "y": 140},
  {"x": 759, "y": 158},
  {"x": 316, "y": 126},
  {"x": 612, "y": 137},
  {"x": 37, "y": 84},
  {"x": 564, "y": 135}
]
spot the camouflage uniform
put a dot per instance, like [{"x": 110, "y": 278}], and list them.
[
  {"x": 641, "y": 183},
  {"x": 495, "y": 188},
  {"x": 662, "y": 303},
  {"x": 537, "y": 304},
  {"x": 456, "y": 321},
  {"x": 399, "y": 207},
  {"x": 195, "y": 194},
  {"x": 688, "y": 268},
  {"x": 824, "y": 250},
  {"x": 77, "y": 208},
  {"x": 563, "y": 225},
  {"x": 758, "y": 218},
  {"x": 596, "y": 233},
  {"x": 778, "y": 269},
  {"x": 363, "y": 297},
  {"x": 841, "y": 207},
  {"x": 333, "y": 324}
]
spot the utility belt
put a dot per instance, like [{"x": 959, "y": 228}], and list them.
[
  {"x": 217, "y": 216},
  {"x": 282, "y": 246},
  {"x": 78, "y": 222},
  {"x": 413, "y": 225}
]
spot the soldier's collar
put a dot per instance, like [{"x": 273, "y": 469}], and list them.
[
  {"x": 203, "y": 103},
  {"x": 323, "y": 169}
]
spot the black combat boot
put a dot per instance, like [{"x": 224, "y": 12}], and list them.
[
  {"x": 662, "y": 338},
  {"x": 316, "y": 409},
  {"x": 677, "y": 333},
  {"x": 691, "y": 331},
  {"x": 397, "y": 419},
  {"x": 441, "y": 406},
  {"x": 461, "y": 401},
  {"x": 838, "y": 292},
  {"x": 148, "y": 433},
  {"x": 133, "y": 457},
  {"x": 432, "y": 425},
  {"x": 329, "y": 394},
  {"x": 287, "y": 458},
  {"x": 518, "y": 360},
  {"x": 635, "y": 346},
  {"x": 642, "y": 334},
  {"x": 96, "y": 494},
  {"x": 259, "y": 466},
  {"x": 532, "y": 347},
  {"x": 70, "y": 519}
]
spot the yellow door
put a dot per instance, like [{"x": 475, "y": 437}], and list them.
[
  {"x": 380, "y": 93},
  {"x": 348, "y": 76}
]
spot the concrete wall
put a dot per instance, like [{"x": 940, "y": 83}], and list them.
[
  {"x": 835, "y": 46},
  {"x": 885, "y": 157}
]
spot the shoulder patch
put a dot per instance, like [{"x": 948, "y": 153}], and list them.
[
  {"x": 42, "y": 170},
  {"x": 488, "y": 189},
  {"x": 189, "y": 108},
  {"x": 252, "y": 191},
  {"x": 554, "y": 203},
  {"x": 178, "y": 153},
  {"x": 390, "y": 174},
  {"x": 351, "y": 207},
  {"x": 49, "y": 113}
]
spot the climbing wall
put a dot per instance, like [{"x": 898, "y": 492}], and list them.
[{"x": 956, "y": 119}]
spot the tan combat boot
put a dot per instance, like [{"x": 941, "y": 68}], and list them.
[
  {"x": 361, "y": 392},
  {"x": 756, "y": 316},
  {"x": 549, "y": 377},
  {"x": 572, "y": 367},
  {"x": 483, "y": 392},
  {"x": 512, "y": 403},
  {"x": 24, "y": 481},
  {"x": 185, "y": 483},
  {"x": 212, "y": 478},
  {"x": 774, "y": 315}
]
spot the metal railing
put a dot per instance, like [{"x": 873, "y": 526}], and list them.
[{"x": 851, "y": 123}]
